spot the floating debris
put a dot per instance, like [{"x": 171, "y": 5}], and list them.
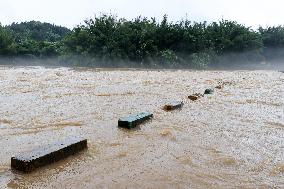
[
  {"x": 45, "y": 155},
  {"x": 173, "y": 105},
  {"x": 134, "y": 120}
]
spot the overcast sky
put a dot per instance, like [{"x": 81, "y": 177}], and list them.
[{"x": 72, "y": 12}]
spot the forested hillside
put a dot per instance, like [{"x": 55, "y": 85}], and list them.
[
  {"x": 34, "y": 38},
  {"x": 110, "y": 41}
]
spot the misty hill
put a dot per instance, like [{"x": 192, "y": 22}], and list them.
[{"x": 38, "y": 31}]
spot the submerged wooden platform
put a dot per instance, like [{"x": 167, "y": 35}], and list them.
[
  {"x": 48, "y": 154},
  {"x": 134, "y": 120},
  {"x": 209, "y": 91},
  {"x": 195, "y": 96},
  {"x": 173, "y": 105}
]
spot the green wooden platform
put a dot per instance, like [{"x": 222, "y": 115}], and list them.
[{"x": 134, "y": 120}]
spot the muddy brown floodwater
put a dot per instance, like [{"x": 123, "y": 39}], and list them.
[{"x": 231, "y": 139}]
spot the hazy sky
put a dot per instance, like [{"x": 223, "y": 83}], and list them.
[{"x": 72, "y": 12}]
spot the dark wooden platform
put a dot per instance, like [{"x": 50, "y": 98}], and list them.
[
  {"x": 173, "y": 105},
  {"x": 134, "y": 120},
  {"x": 48, "y": 154}
]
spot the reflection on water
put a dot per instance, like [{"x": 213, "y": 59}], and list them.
[{"x": 231, "y": 139}]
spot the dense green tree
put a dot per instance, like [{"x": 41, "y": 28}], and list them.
[
  {"x": 273, "y": 40},
  {"x": 229, "y": 36},
  {"x": 7, "y": 46},
  {"x": 272, "y": 36},
  {"x": 145, "y": 40}
]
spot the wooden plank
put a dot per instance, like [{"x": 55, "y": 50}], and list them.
[
  {"x": 134, "y": 120},
  {"x": 48, "y": 154},
  {"x": 173, "y": 105}
]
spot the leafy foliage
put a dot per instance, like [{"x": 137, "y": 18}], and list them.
[
  {"x": 7, "y": 45},
  {"x": 109, "y": 41},
  {"x": 145, "y": 40}
]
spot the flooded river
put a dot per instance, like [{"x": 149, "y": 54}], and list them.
[{"x": 233, "y": 138}]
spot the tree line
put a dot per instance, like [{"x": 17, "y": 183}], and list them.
[{"x": 110, "y": 41}]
